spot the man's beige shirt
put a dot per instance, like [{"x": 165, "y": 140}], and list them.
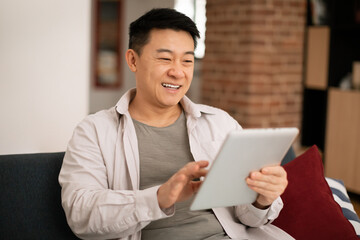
[{"x": 100, "y": 176}]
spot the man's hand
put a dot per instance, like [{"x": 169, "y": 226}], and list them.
[
  {"x": 269, "y": 183},
  {"x": 181, "y": 186}
]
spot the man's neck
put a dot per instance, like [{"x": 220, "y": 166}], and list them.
[{"x": 156, "y": 117}]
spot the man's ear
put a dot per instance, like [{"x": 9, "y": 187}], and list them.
[{"x": 131, "y": 58}]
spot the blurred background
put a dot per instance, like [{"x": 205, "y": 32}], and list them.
[{"x": 269, "y": 63}]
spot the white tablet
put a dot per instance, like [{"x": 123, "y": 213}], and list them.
[{"x": 243, "y": 151}]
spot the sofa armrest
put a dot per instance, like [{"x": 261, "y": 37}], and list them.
[{"x": 30, "y": 199}]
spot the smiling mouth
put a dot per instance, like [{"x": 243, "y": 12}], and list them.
[{"x": 171, "y": 86}]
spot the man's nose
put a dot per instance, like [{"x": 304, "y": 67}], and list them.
[{"x": 176, "y": 71}]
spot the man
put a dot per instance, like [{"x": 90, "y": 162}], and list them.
[{"x": 128, "y": 171}]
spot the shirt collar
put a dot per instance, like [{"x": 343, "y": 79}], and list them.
[
  {"x": 122, "y": 105},
  {"x": 189, "y": 107},
  {"x": 194, "y": 109}
]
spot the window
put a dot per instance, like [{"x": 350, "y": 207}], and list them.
[{"x": 196, "y": 10}]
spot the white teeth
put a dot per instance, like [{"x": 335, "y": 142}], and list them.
[{"x": 167, "y": 85}]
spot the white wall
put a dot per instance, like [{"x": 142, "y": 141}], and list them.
[
  {"x": 105, "y": 98},
  {"x": 45, "y": 77},
  {"x": 44, "y": 73}
]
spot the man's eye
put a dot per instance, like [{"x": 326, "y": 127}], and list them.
[
  {"x": 165, "y": 59},
  {"x": 188, "y": 61}
]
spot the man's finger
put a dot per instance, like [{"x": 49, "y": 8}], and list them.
[
  {"x": 262, "y": 184},
  {"x": 196, "y": 185},
  {"x": 195, "y": 169},
  {"x": 260, "y": 177},
  {"x": 274, "y": 170}
]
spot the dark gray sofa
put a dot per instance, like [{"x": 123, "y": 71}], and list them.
[{"x": 30, "y": 197}]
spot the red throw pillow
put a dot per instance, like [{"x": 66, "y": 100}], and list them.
[{"x": 310, "y": 211}]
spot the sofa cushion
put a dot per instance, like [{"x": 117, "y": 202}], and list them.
[
  {"x": 342, "y": 198},
  {"x": 30, "y": 199},
  {"x": 310, "y": 211}
]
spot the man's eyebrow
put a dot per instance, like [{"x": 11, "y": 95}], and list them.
[
  {"x": 190, "y": 52},
  {"x": 161, "y": 50}
]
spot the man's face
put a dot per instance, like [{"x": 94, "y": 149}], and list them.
[{"x": 164, "y": 70}]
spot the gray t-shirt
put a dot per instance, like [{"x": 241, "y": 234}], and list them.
[{"x": 163, "y": 151}]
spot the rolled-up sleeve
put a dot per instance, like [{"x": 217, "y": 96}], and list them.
[{"x": 255, "y": 217}]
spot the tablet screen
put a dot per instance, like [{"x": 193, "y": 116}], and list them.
[{"x": 243, "y": 151}]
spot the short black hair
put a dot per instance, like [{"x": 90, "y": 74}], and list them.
[{"x": 159, "y": 18}]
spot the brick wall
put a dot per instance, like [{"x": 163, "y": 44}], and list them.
[{"x": 253, "y": 61}]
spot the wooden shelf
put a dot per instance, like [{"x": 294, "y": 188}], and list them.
[
  {"x": 317, "y": 55},
  {"x": 330, "y": 51},
  {"x": 342, "y": 151}
]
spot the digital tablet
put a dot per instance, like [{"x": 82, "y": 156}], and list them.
[{"x": 242, "y": 151}]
